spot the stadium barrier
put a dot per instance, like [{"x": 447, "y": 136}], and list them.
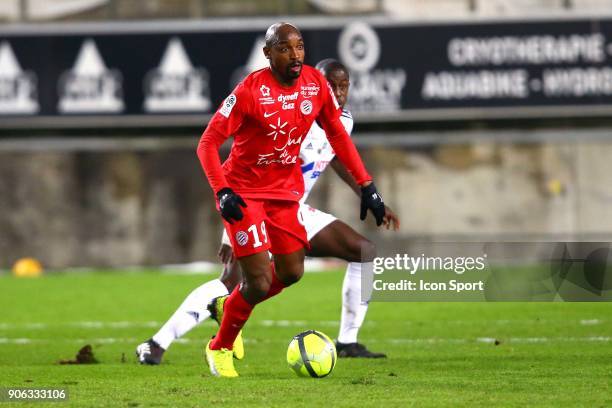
[{"x": 172, "y": 74}]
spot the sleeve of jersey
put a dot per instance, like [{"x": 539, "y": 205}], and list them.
[
  {"x": 340, "y": 140},
  {"x": 224, "y": 123}
]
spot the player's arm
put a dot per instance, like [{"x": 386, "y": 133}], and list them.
[
  {"x": 390, "y": 220},
  {"x": 347, "y": 153},
  {"x": 225, "y": 122},
  {"x": 345, "y": 176}
]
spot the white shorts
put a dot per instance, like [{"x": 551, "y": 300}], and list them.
[{"x": 314, "y": 221}]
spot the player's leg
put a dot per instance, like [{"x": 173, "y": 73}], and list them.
[
  {"x": 270, "y": 226},
  {"x": 231, "y": 275},
  {"x": 289, "y": 238},
  {"x": 250, "y": 245},
  {"x": 339, "y": 240},
  {"x": 236, "y": 311},
  {"x": 194, "y": 310},
  {"x": 261, "y": 280}
]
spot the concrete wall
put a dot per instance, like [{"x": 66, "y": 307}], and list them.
[
  {"x": 498, "y": 190},
  {"x": 101, "y": 209},
  {"x": 154, "y": 207}
]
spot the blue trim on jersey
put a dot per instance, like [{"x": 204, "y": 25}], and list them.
[{"x": 307, "y": 167}]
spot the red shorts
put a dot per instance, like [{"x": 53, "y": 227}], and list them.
[{"x": 268, "y": 225}]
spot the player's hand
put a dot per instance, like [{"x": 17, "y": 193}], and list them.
[
  {"x": 390, "y": 220},
  {"x": 225, "y": 254},
  {"x": 230, "y": 203},
  {"x": 371, "y": 200}
]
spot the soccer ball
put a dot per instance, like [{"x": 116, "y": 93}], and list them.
[
  {"x": 312, "y": 354},
  {"x": 27, "y": 268}
]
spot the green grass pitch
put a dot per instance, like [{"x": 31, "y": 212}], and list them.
[{"x": 440, "y": 354}]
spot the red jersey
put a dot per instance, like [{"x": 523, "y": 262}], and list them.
[{"x": 269, "y": 123}]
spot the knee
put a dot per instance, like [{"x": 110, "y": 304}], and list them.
[
  {"x": 258, "y": 287},
  {"x": 231, "y": 275},
  {"x": 292, "y": 275}
]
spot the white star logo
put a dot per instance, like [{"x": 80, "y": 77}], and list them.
[
  {"x": 265, "y": 91},
  {"x": 277, "y": 129}
]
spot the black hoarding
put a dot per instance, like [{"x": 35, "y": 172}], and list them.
[{"x": 133, "y": 74}]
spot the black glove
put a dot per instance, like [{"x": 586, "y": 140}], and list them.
[
  {"x": 229, "y": 203},
  {"x": 370, "y": 199}
]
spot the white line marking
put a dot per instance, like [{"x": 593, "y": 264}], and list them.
[
  {"x": 433, "y": 340},
  {"x": 286, "y": 323},
  {"x": 591, "y": 322}
]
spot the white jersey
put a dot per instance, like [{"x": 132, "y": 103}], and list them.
[{"x": 316, "y": 152}]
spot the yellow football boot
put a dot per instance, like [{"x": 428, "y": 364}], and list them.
[
  {"x": 220, "y": 362},
  {"x": 216, "y": 313}
]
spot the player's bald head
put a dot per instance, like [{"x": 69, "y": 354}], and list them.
[{"x": 279, "y": 32}]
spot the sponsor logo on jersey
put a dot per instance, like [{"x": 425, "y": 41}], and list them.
[
  {"x": 242, "y": 238},
  {"x": 321, "y": 165},
  {"x": 290, "y": 97},
  {"x": 267, "y": 100},
  {"x": 176, "y": 85},
  {"x": 306, "y": 107},
  {"x": 309, "y": 90},
  {"x": 267, "y": 115},
  {"x": 277, "y": 129},
  {"x": 18, "y": 93},
  {"x": 285, "y": 149},
  {"x": 265, "y": 91},
  {"x": 89, "y": 86},
  {"x": 308, "y": 146},
  {"x": 288, "y": 101}
]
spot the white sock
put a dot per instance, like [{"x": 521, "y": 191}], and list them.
[
  {"x": 190, "y": 313},
  {"x": 353, "y": 308}
]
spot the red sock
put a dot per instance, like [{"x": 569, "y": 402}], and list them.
[
  {"x": 276, "y": 286},
  {"x": 236, "y": 312}
]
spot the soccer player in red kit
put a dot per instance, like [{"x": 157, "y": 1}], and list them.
[{"x": 259, "y": 186}]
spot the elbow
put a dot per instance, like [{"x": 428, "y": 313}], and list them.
[{"x": 204, "y": 145}]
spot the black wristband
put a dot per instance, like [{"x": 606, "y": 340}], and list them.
[{"x": 224, "y": 190}]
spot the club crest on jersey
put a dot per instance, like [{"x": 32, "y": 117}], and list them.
[
  {"x": 228, "y": 105},
  {"x": 265, "y": 91},
  {"x": 306, "y": 107},
  {"x": 242, "y": 238}
]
